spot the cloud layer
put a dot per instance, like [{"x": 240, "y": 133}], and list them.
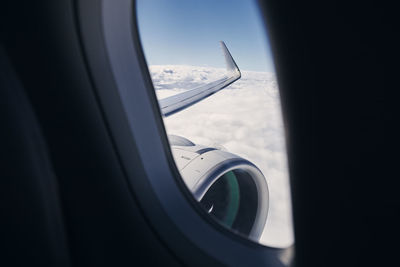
[{"x": 245, "y": 119}]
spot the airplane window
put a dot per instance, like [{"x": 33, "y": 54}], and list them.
[{"x": 214, "y": 77}]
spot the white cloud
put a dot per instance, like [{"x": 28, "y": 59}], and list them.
[{"x": 244, "y": 118}]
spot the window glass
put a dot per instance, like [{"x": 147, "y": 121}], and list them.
[{"x": 214, "y": 76}]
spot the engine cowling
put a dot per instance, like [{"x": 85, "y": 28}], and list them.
[{"x": 232, "y": 189}]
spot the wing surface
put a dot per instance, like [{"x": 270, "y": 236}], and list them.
[{"x": 175, "y": 103}]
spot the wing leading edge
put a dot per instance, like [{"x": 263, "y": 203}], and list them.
[{"x": 175, "y": 103}]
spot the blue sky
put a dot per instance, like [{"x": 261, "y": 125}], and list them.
[{"x": 187, "y": 32}]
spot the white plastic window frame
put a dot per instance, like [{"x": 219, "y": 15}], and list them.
[{"x": 109, "y": 28}]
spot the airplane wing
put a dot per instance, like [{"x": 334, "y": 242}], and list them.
[{"x": 175, "y": 103}]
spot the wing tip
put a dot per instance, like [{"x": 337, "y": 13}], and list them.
[{"x": 233, "y": 75}]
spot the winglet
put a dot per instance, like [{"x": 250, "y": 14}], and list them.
[{"x": 229, "y": 61}]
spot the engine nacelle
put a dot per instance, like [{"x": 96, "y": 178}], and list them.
[{"x": 232, "y": 189}]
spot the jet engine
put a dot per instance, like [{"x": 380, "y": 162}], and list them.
[{"x": 230, "y": 188}]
